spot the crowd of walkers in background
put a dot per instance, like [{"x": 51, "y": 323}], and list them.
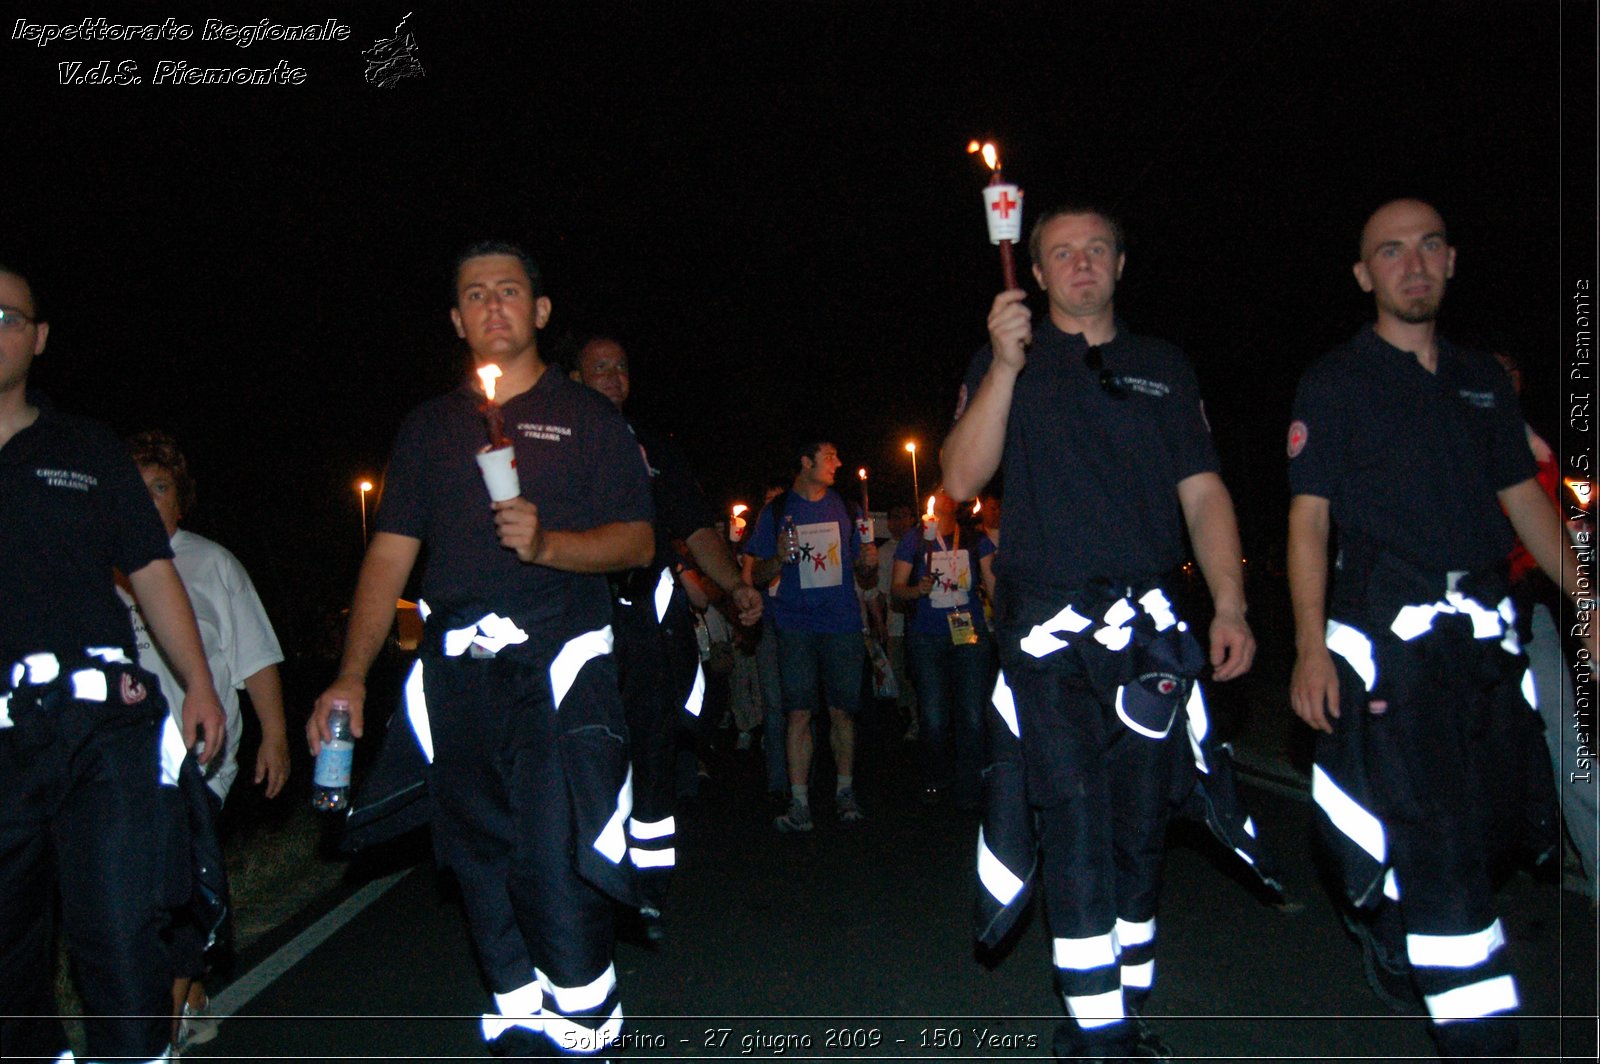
[{"x": 587, "y": 634}]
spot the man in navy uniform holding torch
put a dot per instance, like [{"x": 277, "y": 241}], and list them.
[
  {"x": 1108, "y": 460},
  {"x": 515, "y": 692}
]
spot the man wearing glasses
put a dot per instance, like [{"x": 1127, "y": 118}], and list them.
[
  {"x": 1107, "y": 457},
  {"x": 85, "y": 764}
]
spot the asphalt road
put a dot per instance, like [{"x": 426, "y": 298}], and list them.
[{"x": 856, "y": 943}]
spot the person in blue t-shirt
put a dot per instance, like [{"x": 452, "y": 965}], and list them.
[
  {"x": 947, "y": 644},
  {"x": 818, "y": 620}
]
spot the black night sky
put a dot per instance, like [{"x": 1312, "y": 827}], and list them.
[{"x": 771, "y": 204}]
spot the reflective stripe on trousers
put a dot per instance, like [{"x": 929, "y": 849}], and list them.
[
  {"x": 580, "y": 1021},
  {"x": 1085, "y": 965}
]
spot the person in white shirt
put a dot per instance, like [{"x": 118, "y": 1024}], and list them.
[{"x": 243, "y": 654}]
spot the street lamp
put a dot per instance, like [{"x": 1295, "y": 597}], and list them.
[
  {"x": 363, "y": 487},
  {"x": 916, "y": 489}
]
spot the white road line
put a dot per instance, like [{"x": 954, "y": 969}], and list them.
[{"x": 239, "y": 993}]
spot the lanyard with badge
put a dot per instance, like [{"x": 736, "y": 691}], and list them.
[{"x": 962, "y": 631}]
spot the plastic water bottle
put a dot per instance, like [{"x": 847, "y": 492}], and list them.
[
  {"x": 331, "y": 790},
  {"x": 789, "y": 541},
  {"x": 702, "y": 637}
]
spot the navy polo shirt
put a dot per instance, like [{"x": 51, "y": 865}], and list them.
[
  {"x": 1091, "y": 480},
  {"x": 72, "y": 508},
  {"x": 578, "y": 463},
  {"x": 1409, "y": 459},
  {"x": 680, "y": 504}
]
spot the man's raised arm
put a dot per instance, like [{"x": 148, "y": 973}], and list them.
[
  {"x": 971, "y": 453},
  {"x": 605, "y": 548}
]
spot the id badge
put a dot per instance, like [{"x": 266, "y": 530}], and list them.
[{"x": 961, "y": 631}]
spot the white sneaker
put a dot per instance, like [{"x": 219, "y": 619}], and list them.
[{"x": 197, "y": 1028}]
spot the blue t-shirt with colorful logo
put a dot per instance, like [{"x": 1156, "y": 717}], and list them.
[
  {"x": 818, "y": 593},
  {"x": 954, "y": 562}
]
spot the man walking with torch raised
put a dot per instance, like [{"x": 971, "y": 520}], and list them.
[
  {"x": 514, "y": 696},
  {"x": 1105, "y": 449}
]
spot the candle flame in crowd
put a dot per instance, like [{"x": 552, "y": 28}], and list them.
[
  {"x": 739, "y": 508},
  {"x": 977, "y": 507},
  {"x": 930, "y": 507},
  {"x": 1582, "y": 490},
  {"x": 862, "y": 472},
  {"x": 487, "y": 373},
  {"x": 991, "y": 154}
]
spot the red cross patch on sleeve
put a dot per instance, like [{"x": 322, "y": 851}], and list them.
[
  {"x": 133, "y": 692},
  {"x": 1297, "y": 438}
]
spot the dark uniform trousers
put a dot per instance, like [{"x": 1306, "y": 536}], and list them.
[
  {"x": 658, "y": 665},
  {"x": 1434, "y": 769},
  {"x": 506, "y": 825},
  {"x": 82, "y": 805},
  {"x": 1097, "y": 718}
]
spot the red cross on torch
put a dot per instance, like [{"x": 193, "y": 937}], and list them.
[{"x": 1004, "y": 210}]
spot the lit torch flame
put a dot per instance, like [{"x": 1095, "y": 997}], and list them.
[
  {"x": 487, "y": 373},
  {"x": 991, "y": 155}
]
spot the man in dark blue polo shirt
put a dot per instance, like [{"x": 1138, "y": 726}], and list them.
[
  {"x": 1107, "y": 458},
  {"x": 658, "y": 660},
  {"x": 515, "y": 692},
  {"x": 1430, "y": 760},
  {"x": 85, "y": 743}
]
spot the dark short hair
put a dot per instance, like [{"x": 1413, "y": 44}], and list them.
[
  {"x": 1036, "y": 234},
  {"x": 157, "y": 448},
  {"x": 33, "y": 293},
  {"x": 807, "y": 446},
  {"x": 901, "y": 507},
  {"x": 497, "y": 247}
]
